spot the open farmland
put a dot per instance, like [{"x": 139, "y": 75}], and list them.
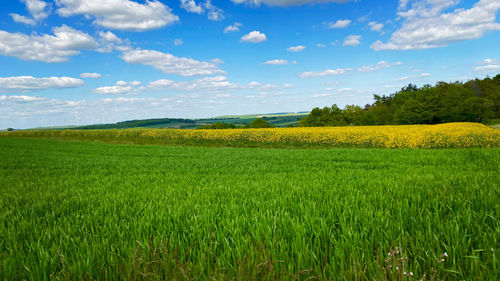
[
  {"x": 94, "y": 211},
  {"x": 450, "y": 135}
]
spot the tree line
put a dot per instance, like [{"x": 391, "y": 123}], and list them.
[
  {"x": 474, "y": 101},
  {"x": 256, "y": 123}
]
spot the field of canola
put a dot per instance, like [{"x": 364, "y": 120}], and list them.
[{"x": 450, "y": 135}]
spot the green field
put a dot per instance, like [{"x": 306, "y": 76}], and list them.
[{"x": 94, "y": 211}]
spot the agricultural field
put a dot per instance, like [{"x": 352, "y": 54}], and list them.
[
  {"x": 74, "y": 210},
  {"x": 450, "y": 135}
]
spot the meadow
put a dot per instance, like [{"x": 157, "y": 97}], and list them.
[{"x": 74, "y": 210}]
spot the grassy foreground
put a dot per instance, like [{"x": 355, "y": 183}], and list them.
[{"x": 93, "y": 211}]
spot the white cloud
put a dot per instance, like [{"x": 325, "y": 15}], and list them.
[
  {"x": 169, "y": 63},
  {"x": 90, "y": 75},
  {"x": 216, "y": 84},
  {"x": 352, "y": 40},
  {"x": 217, "y": 61},
  {"x": 120, "y": 14},
  {"x": 110, "y": 37},
  {"x": 402, "y": 78},
  {"x": 338, "y": 24},
  {"x": 30, "y": 83},
  {"x": 320, "y": 45},
  {"x": 488, "y": 61},
  {"x": 328, "y": 72},
  {"x": 108, "y": 41},
  {"x": 403, "y": 4},
  {"x": 268, "y": 89},
  {"x": 379, "y": 65},
  {"x": 487, "y": 66},
  {"x": 20, "y": 98},
  {"x": 178, "y": 42},
  {"x": 214, "y": 13},
  {"x": 22, "y": 19},
  {"x": 254, "y": 37},
  {"x": 37, "y": 9},
  {"x": 120, "y": 88},
  {"x": 285, "y": 3},
  {"x": 233, "y": 28},
  {"x": 296, "y": 49},
  {"x": 374, "y": 26},
  {"x": 425, "y": 74},
  {"x": 425, "y": 25},
  {"x": 345, "y": 90},
  {"x": 276, "y": 62},
  {"x": 65, "y": 42},
  {"x": 191, "y": 6}
]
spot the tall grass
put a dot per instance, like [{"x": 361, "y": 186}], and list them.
[{"x": 92, "y": 211}]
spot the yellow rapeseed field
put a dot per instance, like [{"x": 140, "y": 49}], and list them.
[{"x": 456, "y": 135}]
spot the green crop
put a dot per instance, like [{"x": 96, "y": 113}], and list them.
[{"x": 94, "y": 211}]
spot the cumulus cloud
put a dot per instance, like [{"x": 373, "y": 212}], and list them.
[
  {"x": 20, "y": 84},
  {"x": 22, "y": 19},
  {"x": 191, "y": 6},
  {"x": 120, "y": 14},
  {"x": 379, "y": 65},
  {"x": 328, "y": 72},
  {"x": 110, "y": 37},
  {"x": 285, "y": 3},
  {"x": 214, "y": 13},
  {"x": 488, "y": 66},
  {"x": 276, "y": 62},
  {"x": 374, "y": 26},
  {"x": 169, "y": 63},
  {"x": 338, "y": 24},
  {"x": 233, "y": 28},
  {"x": 352, "y": 40},
  {"x": 296, "y": 49},
  {"x": 65, "y": 42},
  {"x": 90, "y": 75},
  {"x": 108, "y": 41},
  {"x": 120, "y": 88},
  {"x": 254, "y": 37},
  {"x": 214, "y": 84},
  {"x": 426, "y": 25},
  {"x": 38, "y": 10}
]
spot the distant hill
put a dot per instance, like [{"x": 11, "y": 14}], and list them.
[
  {"x": 283, "y": 119},
  {"x": 168, "y": 122}
]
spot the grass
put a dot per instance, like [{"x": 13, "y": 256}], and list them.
[{"x": 94, "y": 211}]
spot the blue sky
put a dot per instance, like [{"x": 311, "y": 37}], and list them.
[{"x": 69, "y": 62}]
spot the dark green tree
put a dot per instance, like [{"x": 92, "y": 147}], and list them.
[{"x": 259, "y": 123}]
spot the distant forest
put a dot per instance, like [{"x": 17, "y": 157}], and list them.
[
  {"x": 134, "y": 124},
  {"x": 474, "y": 101}
]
